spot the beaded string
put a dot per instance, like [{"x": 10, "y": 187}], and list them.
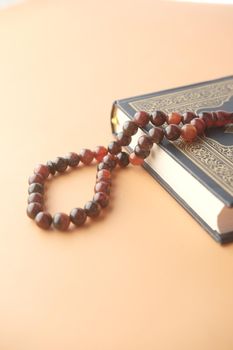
[{"x": 187, "y": 126}]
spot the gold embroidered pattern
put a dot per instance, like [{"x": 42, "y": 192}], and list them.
[
  {"x": 213, "y": 158},
  {"x": 229, "y": 129}
]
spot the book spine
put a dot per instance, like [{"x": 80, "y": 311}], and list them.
[{"x": 113, "y": 117}]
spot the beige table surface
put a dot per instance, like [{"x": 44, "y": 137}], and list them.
[{"x": 146, "y": 276}]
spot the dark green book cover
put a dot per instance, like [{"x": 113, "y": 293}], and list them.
[{"x": 210, "y": 158}]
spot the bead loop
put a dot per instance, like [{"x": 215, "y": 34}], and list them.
[{"x": 188, "y": 126}]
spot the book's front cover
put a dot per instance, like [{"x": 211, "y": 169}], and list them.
[{"x": 210, "y": 158}]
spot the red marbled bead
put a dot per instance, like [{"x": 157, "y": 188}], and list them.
[
  {"x": 102, "y": 198},
  {"x": 78, "y": 216},
  {"x": 102, "y": 166},
  {"x": 122, "y": 139},
  {"x": 130, "y": 128},
  {"x": 174, "y": 118},
  {"x": 42, "y": 170},
  {"x": 100, "y": 152},
  {"x": 227, "y": 115},
  {"x": 92, "y": 209},
  {"x": 123, "y": 159},
  {"x": 187, "y": 117},
  {"x": 114, "y": 147},
  {"x": 102, "y": 186},
  {"x": 223, "y": 118},
  {"x": 199, "y": 125},
  {"x": 141, "y": 118},
  {"x": 135, "y": 160},
  {"x": 43, "y": 220},
  {"x": 158, "y": 118},
  {"x": 145, "y": 142},
  {"x": 36, "y": 178},
  {"x": 172, "y": 132},
  {"x": 61, "y": 221},
  {"x": 103, "y": 175},
  {"x": 35, "y": 187},
  {"x": 109, "y": 181},
  {"x": 51, "y": 167},
  {"x": 110, "y": 160},
  {"x": 72, "y": 159},
  {"x": 156, "y": 134},
  {"x": 188, "y": 132},
  {"x": 207, "y": 117},
  {"x": 60, "y": 164},
  {"x": 33, "y": 209},
  {"x": 141, "y": 153},
  {"x": 86, "y": 156},
  {"x": 35, "y": 197}
]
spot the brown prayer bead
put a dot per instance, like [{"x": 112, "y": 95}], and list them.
[
  {"x": 35, "y": 197},
  {"x": 33, "y": 209},
  {"x": 187, "y": 117},
  {"x": 36, "y": 187},
  {"x": 141, "y": 118},
  {"x": 102, "y": 186},
  {"x": 223, "y": 118},
  {"x": 109, "y": 181},
  {"x": 86, "y": 156},
  {"x": 122, "y": 139},
  {"x": 130, "y": 128},
  {"x": 114, "y": 147},
  {"x": 110, "y": 160},
  {"x": 145, "y": 142},
  {"x": 101, "y": 198},
  {"x": 103, "y": 165},
  {"x": 103, "y": 175},
  {"x": 60, "y": 164},
  {"x": 227, "y": 116},
  {"x": 36, "y": 178},
  {"x": 199, "y": 125},
  {"x": 123, "y": 159},
  {"x": 207, "y": 117},
  {"x": 141, "y": 153},
  {"x": 78, "y": 216},
  {"x": 174, "y": 118},
  {"x": 92, "y": 209},
  {"x": 100, "y": 152},
  {"x": 156, "y": 134},
  {"x": 51, "y": 167},
  {"x": 158, "y": 118},
  {"x": 42, "y": 170},
  {"x": 172, "y": 132},
  {"x": 61, "y": 221},
  {"x": 43, "y": 220},
  {"x": 72, "y": 159},
  {"x": 188, "y": 132}
]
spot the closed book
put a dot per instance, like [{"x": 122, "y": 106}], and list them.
[{"x": 199, "y": 175}]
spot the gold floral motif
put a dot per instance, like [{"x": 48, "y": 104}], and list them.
[
  {"x": 229, "y": 129},
  {"x": 226, "y": 151},
  {"x": 192, "y": 99},
  {"x": 213, "y": 158},
  {"x": 210, "y": 161}
]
